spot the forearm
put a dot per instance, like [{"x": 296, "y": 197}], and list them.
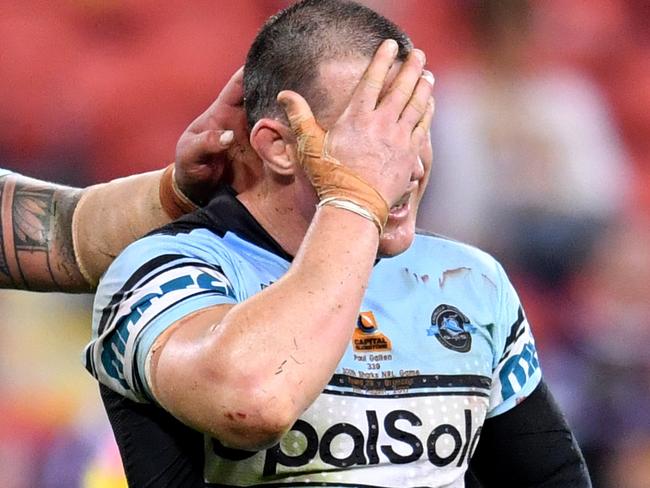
[
  {"x": 307, "y": 318},
  {"x": 110, "y": 216},
  {"x": 36, "y": 250},
  {"x": 259, "y": 366},
  {"x": 57, "y": 238}
]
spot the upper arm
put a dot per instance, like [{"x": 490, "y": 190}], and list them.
[
  {"x": 36, "y": 248},
  {"x": 525, "y": 440},
  {"x": 516, "y": 370},
  {"x": 159, "y": 337},
  {"x": 149, "y": 288},
  {"x": 186, "y": 374},
  {"x": 197, "y": 375},
  {"x": 530, "y": 445}
]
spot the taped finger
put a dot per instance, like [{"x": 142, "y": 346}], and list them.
[
  {"x": 297, "y": 109},
  {"x": 417, "y": 105},
  {"x": 424, "y": 125},
  {"x": 402, "y": 88}
]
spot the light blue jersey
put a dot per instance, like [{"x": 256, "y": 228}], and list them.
[
  {"x": 4, "y": 172},
  {"x": 440, "y": 344}
]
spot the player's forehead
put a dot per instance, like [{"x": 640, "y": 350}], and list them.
[{"x": 338, "y": 78}]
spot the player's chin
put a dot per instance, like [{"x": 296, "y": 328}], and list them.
[{"x": 398, "y": 235}]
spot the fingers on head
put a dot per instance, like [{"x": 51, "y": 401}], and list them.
[
  {"x": 238, "y": 76},
  {"x": 193, "y": 149},
  {"x": 418, "y": 103},
  {"x": 367, "y": 92},
  {"x": 421, "y": 130},
  {"x": 233, "y": 93},
  {"x": 213, "y": 141},
  {"x": 402, "y": 87}
]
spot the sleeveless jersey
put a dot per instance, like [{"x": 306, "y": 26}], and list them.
[{"x": 441, "y": 343}]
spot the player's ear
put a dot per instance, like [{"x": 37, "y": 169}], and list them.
[{"x": 275, "y": 145}]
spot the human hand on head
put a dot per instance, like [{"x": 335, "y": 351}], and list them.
[
  {"x": 216, "y": 140},
  {"x": 370, "y": 154}
]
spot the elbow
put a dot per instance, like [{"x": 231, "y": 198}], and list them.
[
  {"x": 255, "y": 416},
  {"x": 255, "y": 435},
  {"x": 214, "y": 387},
  {"x": 251, "y": 407},
  {"x": 256, "y": 421}
]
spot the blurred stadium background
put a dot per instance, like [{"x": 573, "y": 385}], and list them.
[{"x": 542, "y": 145}]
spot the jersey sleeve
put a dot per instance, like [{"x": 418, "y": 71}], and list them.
[
  {"x": 516, "y": 372},
  {"x": 150, "y": 286},
  {"x": 4, "y": 172}
]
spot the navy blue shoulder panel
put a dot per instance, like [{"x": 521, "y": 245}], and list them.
[{"x": 224, "y": 214}]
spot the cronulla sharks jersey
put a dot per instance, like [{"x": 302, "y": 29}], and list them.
[
  {"x": 441, "y": 343},
  {"x": 4, "y": 172}
]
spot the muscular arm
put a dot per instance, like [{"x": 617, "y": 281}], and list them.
[
  {"x": 36, "y": 251},
  {"x": 56, "y": 238},
  {"x": 285, "y": 341}
]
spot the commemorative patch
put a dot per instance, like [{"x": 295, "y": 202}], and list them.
[{"x": 367, "y": 337}]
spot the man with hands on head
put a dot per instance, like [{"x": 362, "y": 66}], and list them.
[
  {"x": 57, "y": 238},
  {"x": 266, "y": 324}
]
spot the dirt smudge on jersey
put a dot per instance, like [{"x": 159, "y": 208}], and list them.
[{"x": 451, "y": 274}]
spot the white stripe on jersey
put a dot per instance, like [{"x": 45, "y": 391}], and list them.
[{"x": 114, "y": 353}]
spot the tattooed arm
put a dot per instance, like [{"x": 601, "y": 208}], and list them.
[
  {"x": 46, "y": 246},
  {"x": 36, "y": 251}
]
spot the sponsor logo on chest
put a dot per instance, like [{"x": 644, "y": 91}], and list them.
[{"x": 370, "y": 436}]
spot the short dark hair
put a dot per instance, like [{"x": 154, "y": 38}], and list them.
[{"x": 292, "y": 44}]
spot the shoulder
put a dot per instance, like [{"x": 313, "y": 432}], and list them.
[
  {"x": 152, "y": 284},
  {"x": 4, "y": 172},
  {"x": 167, "y": 261},
  {"x": 436, "y": 268},
  {"x": 157, "y": 249}
]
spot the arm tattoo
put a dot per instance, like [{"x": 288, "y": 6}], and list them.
[{"x": 36, "y": 250}]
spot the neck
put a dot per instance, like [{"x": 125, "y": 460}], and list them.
[{"x": 276, "y": 208}]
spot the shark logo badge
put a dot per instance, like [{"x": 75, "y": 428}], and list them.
[{"x": 452, "y": 328}]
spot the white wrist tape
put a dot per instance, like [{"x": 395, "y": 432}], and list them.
[{"x": 353, "y": 207}]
